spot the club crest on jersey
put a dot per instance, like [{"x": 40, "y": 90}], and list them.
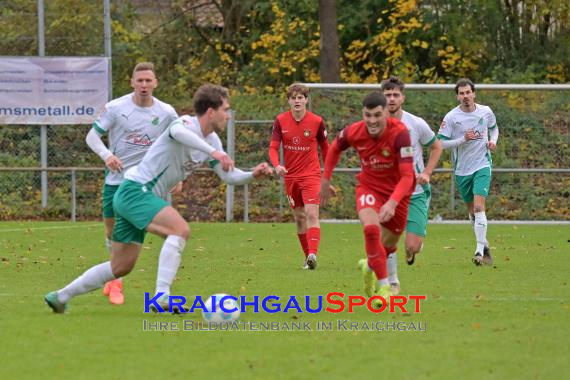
[
  {"x": 296, "y": 140},
  {"x": 385, "y": 152},
  {"x": 306, "y": 133},
  {"x": 155, "y": 120},
  {"x": 406, "y": 151}
]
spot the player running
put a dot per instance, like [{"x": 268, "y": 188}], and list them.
[
  {"x": 421, "y": 136},
  {"x": 133, "y": 122},
  {"x": 385, "y": 185},
  {"x": 139, "y": 202},
  {"x": 471, "y": 130}
]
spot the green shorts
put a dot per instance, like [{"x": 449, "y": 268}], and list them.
[
  {"x": 418, "y": 213},
  {"x": 477, "y": 183},
  {"x": 135, "y": 206},
  {"x": 108, "y": 194}
]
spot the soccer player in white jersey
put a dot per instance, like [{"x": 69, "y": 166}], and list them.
[
  {"x": 471, "y": 130},
  {"x": 139, "y": 202},
  {"x": 421, "y": 136},
  {"x": 133, "y": 122}
]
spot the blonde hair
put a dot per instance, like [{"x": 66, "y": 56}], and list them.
[{"x": 143, "y": 66}]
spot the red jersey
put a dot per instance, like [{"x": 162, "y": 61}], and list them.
[
  {"x": 299, "y": 140},
  {"x": 386, "y": 161}
]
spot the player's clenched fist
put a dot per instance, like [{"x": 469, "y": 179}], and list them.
[{"x": 262, "y": 170}]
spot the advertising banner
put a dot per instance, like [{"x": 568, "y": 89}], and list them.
[{"x": 52, "y": 90}]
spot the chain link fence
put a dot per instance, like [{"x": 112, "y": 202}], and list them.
[{"x": 531, "y": 180}]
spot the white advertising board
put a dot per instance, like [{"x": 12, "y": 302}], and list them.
[{"x": 52, "y": 90}]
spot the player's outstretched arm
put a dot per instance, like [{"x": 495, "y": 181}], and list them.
[
  {"x": 95, "y": 143},
  {"x": 239, "y": 177},
  {"x": 446, "y": 143},
  {"x": 225, "y": 161},
  {"x": 189, "y": 138},
  {"x": 262, "y": 170},
  {"x": 193, "y": 141}
]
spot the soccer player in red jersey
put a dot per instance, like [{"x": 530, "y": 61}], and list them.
[
  {"x": 385, "y": 185},
  {"x": 299, "y": 132}
]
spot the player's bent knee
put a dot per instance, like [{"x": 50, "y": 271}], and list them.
[
  {"x": 300, "y": 218},
  {"x": 413, "y": 247},
  {"x": 184, "y": 232},
  {"x": 413, "y": 244},
  {"x": 122, "y": 269}
]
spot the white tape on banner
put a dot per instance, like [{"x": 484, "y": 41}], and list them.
[{"x": 52, "y": 90}]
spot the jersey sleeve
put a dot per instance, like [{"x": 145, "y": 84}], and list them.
[
  {"x": 105, "y": 120},
  {"x": 445, "y": 129},
  {"x": 172, "y": 114},
  {"x": 275, "y": 142},
  {"x": 322, "y": 140},
  {"x": 427, "y": 137},
  {"x": 342, "y": 139},
  {"x": 403, "y": 147},
  {"x": 332, "y": 159},
  {"x": 339, "y": 144},
  {"x": 407, "y": 182},
  {"x": 276, "y": 135},
  {"x": 216, "y": 143},
  {"x": 492, "y": 122}
]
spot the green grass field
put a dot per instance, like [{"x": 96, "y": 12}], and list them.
[{"x": 509, "y": 321}]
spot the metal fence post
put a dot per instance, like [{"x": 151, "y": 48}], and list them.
[
  {"x": 73, "y": 196},
  {"x": 107, "y": 38},
  {"x": 43, "y": 128},
  {"x": 281, "y": 183},
  {"x": 231, "y": 152},
  {"x": 452, "y": 193},
  {"x": 246, "y": 203}
]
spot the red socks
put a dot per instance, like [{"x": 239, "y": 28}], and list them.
[
  {"x": 375, "y": 251},
  {"x": 390, "y": 250},
  {"x": 313, "y": 239},
  {"x": 304, "y": 245}
]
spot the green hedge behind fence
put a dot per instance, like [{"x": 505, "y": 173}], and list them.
[{"x": 534, "y": 133}]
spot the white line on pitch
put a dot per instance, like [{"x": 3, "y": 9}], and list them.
[{"x": 49, "y": 228}]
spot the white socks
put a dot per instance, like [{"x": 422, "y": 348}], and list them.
[
  {"x": 480, "y": 227},
  {"x": 93, "y": 278},
  {"x": 392, "y": 264},
  {"x": 168, "y": 262},
  {"x": 382, "y": 282}
]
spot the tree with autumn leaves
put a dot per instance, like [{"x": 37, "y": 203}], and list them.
[{"x": 264, "y": 45}]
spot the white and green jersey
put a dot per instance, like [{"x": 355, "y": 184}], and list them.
[
  {"x": 168, "y": 161},
  {"x": 132, "y": 130},
  {"x": 472, "y": 155},
  {"x": 421, "y": 136}
]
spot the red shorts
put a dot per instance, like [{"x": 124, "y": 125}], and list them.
[
  {"x": 366, "y": 198},
  {"x": 304, "y": 191}
]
